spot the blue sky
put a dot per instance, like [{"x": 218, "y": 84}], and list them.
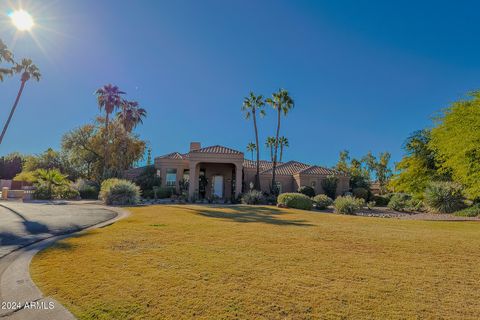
[{"x": 364, "y": 74}]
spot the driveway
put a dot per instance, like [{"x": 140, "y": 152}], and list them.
[{"x": 25, "y": 223}]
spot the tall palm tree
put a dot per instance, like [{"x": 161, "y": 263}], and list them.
[
  {"x": 28, "y": 70},
  {"x": 270, "y": 143},
  {"x": 108, "y": 99},
  {"x": 130, "y": 116},
  {"x": 251, "y": 105},
  {"x": 283, "y": 141},
  {"x": 251, "y": 147},
  {"x": 282, "y": 103},
  {"x": 7, "y": 56}
]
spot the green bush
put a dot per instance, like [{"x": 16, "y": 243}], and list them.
[
  {"x": 371, "y": 205},
  {"x": 119, "y": 192},
  {"x": 295, "y": 200},
  {"x": 472, "y": 211},
  {"x": 444, "y": 197},
  {"x": 322, "y": 201},
  {"x": 361, "y": 193},
  {"x": 308, "y": 191},
  {"x": 253, "y": 197},
  {"x": 42, "y": 192},
  {"x": 148, "y": 179},
  {"x": 162, "y": 192},
  {"x": 382, "y": 200},
  {"x": 400, "y": 202},
  {"x": 329, "y": 186},
  {"x": 87, "y": 189},
  {"x": 348, "y": 204},
  {"x": 66, "y": 192}
]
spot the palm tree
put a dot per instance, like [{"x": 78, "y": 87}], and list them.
[
  {"x": 251, "y": 147},
  {"x": 282, "y": 103},
  {"x": 251, "y": 105},
  {"x": 50, "y": 178},
  {"x": 283, "y": 141},
  {"x": 7, "y": 56},
  {"x": 28, "y": 70},
  {"x": 130, "y": 116},
  {"x": 270, "y": 143},
  {"x": 108, "y": 98}
]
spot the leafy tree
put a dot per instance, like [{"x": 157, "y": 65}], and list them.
[
  {"x": 283, "y": 141},
  {"x": 251, "y": 147},
  {"x": 342, "y": 164},
  {"x": 251, "y": 105},
  {"x": 28, "y": 70},
  {"x": 356, "y": 169},
  {"x": 329, "y": 186},
  {"x": 148, "y": 179},
  {"x": 380, "y": 168},
  {"x": 455, "y": 141},
  {"x": 50, "y": 179},
  {"x": 48, "y": 160},
  {"x": 10, "y": 165},
  {"x": 418, "y": 167},
  {"x": 282, "y": 103},
  {"x": 270, "y": 143}
]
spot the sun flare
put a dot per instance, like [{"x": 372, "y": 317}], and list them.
[{"x": 22, "y": 20}]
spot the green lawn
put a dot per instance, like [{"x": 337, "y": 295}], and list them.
[{"x": 241, "y": 262}]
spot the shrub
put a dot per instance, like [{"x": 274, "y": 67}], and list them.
[
  {"x": 472, "y": 211},
  {"x": 381, "y": 201},
  {"x": 371, "y": 205},
  {"x": 348, "y": 204},
  {"x": 322, "y": 201},
  {"x": 66, "y": 192},
  {"x": 399, "y": 202},
  {"x": 148, "y": 179},
  {"x": 253, "y": 197},
  {"x": 308, "y": 191},
  {"x": 295, "y": 200},
  {"x": 42, "y": 192},
  {"x": 162, "y": 192},
  {"x": 329, "y": 185},
  {"x": 361, "y": 193},
  {"x": 87, "y": 189},
  {"x": 119, "y": 192},
  {"x": 444, "y": 197}
]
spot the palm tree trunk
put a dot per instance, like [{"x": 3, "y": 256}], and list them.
[
  {"x": 275, "y": 154},
  {"x": 257, "y": 175},
  {"x": 271, "y": 152},
  {"x": 12, "y": 111},
  {"x": 281, "y": 152},
  {"x": 105, "y": 154}
]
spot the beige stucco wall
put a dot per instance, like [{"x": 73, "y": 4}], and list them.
[{"x": 343, "y": 184}]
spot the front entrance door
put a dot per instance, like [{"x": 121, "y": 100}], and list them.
[{"x": 218, "y": 186}]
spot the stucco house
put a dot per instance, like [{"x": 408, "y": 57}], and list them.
[{"x": 225, "y": 173}]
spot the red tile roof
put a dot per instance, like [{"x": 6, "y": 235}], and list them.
[
  {"x": 216, "y": 149},
  {"x": 174, "y": 156},
  {"x": 264, "y": 165},
  {"x": 288, "y": 168},
  {"x": 316, "y": 170}
]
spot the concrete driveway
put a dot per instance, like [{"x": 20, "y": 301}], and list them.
[{"x": 25, "y": 223}]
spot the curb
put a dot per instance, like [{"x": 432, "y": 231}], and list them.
[{"x": 25, "y": 298}]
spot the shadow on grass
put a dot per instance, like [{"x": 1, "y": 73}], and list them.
[{"x": 249, "y": 214}]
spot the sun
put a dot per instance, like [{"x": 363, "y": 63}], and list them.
[{"x": 22, "y": 20}]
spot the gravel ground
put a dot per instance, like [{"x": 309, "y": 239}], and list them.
[{"x": 384, "y": 212}]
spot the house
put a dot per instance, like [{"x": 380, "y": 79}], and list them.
[{"x": 225, "y": 173}]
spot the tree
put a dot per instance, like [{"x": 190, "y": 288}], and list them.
[
  {"x": 270, "y": 143},
  {"x": 356, "y": 169},
  {"x": 251, "y": 147},
  {"x": 283, "y": 141},
  {"x": 418, "y": 167},
  {"x": 11, "y": 165},
  {"x": 108, "y": 99},
  {"x": 50, "y": 179},
  {"x": 251, "y": 105},
  {"x": 455, "y": 142},
  {"x": 28, "y": 70},
  {"x": 379, "y": 167},
  {"x": 5, "y": 56},
  {"x": 48, "y": 160},
  {"x": 342, "y": 164},
  {"x": 282, "y": 103},
  {"x": 130, "y": 116}
]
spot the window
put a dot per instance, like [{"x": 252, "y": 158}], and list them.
[
  {"x": 278, "y": 185},
  {"x": 171, "y": 177}
]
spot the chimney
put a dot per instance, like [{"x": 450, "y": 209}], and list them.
[{"x": 195, "y": 146}]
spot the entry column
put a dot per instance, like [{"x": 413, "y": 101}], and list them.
[
  {"x": 238, "y": 179},
  {"x": 192, "y": 185}
]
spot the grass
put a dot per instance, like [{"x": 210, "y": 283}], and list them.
[{"x": 240, "y": 262}]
